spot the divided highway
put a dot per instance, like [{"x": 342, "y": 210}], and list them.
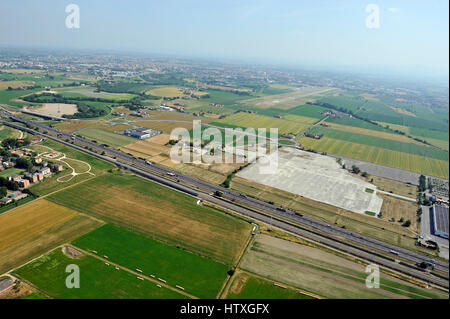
[{"x": 315, "y": 229}]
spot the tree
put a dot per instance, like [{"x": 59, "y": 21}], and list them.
[
  {"x": 407, "y": 223},
  {"x": 355, "y": 169},
  {"x": 3, "y": 191},
  {"x": 364, "y": 174},
  {"x": 422, "y": 183}
]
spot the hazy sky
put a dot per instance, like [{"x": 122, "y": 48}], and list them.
[{"x": 413, "y": 34}]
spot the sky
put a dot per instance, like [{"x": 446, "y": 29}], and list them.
[{"x": 412, "y": 37}]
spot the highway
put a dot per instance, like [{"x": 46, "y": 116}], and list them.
[{"x": 317, "y": 230}]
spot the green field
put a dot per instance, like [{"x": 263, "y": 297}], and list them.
[
  {"x": 324, "y": 273},
  {"x": 155, "y": 211},
  {"x": 250, "y": 287},
  {"x": 388, "y": 144},
  {"x": 378, "y": 155},
  {"x": 6, "y": 133},
  {"x": 105, "y": 137},
  {"x": 10, "y": 171},
  {"x": 294, "y": 124},
  {"x": 97, "y": 280},
  {"x": 7, "y": 96},
  {"x": 199, "y": 276},
  {"x": 90, "y": 92}
]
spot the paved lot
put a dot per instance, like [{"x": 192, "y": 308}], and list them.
[
  {"x": 317, "y": 177},
  {"x": 426, "y": 233}
]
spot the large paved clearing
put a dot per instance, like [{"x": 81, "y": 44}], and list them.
[{"x": 317, "y": 177}]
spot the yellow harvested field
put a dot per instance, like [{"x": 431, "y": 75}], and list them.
[
  {"x": 398, "y": 208},
  {"x": 161, "y": 139},
  {"x": 260, "y": 121},
  {"x": 22, "y": 71},
  {"x": 158, "y": 159},
  {"x": 168, "y": 163},
  {"x": 198, "y": 172},
  {"x": 300, "y": 119},
  {"x": 28, "y": 220},
  {"x": 227, "y": 88},
  {"x": 289, "y": 100},
  {"x": 145, "y": 147},
  {"x": 4, "y": 85},
  {"x": 400, "y": 128},
  {"x": 403, "y": 111},
  {"x": 168, "y": 91},
  {"x": 396, "y": 187},
  {"x": 166, "y": 127},
  {"x": 406, "y": 161},
  {"x": 387, "y": 135},
  {"x": 116, "y": 128},
  {"x": 70, "y": 126}
]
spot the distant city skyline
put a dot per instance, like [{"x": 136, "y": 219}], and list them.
[{"x": 412, "y": 38}]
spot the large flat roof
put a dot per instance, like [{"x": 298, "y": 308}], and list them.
[{"x": 441, "y": 218}]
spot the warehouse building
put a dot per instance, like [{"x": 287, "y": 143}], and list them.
[{"x": 439, "y": 220}]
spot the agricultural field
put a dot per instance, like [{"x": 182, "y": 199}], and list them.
[
  {"x": 13, "y": 84},
  {"x": 90, "y": 92},
  {"x": 204, "y": 172},
  {"x": 391, "y": 186},
  {"x": 323, "y": 273},
  {"x": 199, "y": 276},
  {"x": 394, "y": 209},
  {"x": 145, "y": 148},
  {"x": 32, "y": 229},
  {"x": 168, "y": 91},
  {"x": 172, "y": 217},
  {"x": 289, "y": 100},
  {"x": 166, "y": 126},
  {"x": 97, "y": 280},
  {"x": 22, "y": 71},
  {"x": 75, "y": 125},
  {"x": 379, "y": 142},
  {"x": 11, "y": 97},
  {"x": 247, "y": 286},
  {"x": 374, "y": 133},
  {"x": 308, "y": 110},
  {"x": 294, "y": 124},
  {"x": 103, "y": 136},
  {"x": 378, "y": 155}
]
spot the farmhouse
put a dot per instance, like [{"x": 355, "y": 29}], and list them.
[
  {"x": 23, "y": 183},
  {"x": 45, "y": 171},
  {"x": 14, "y": 178},
  {"x": 17, "y": 153},
  {"x": 56, "y": 167}
]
